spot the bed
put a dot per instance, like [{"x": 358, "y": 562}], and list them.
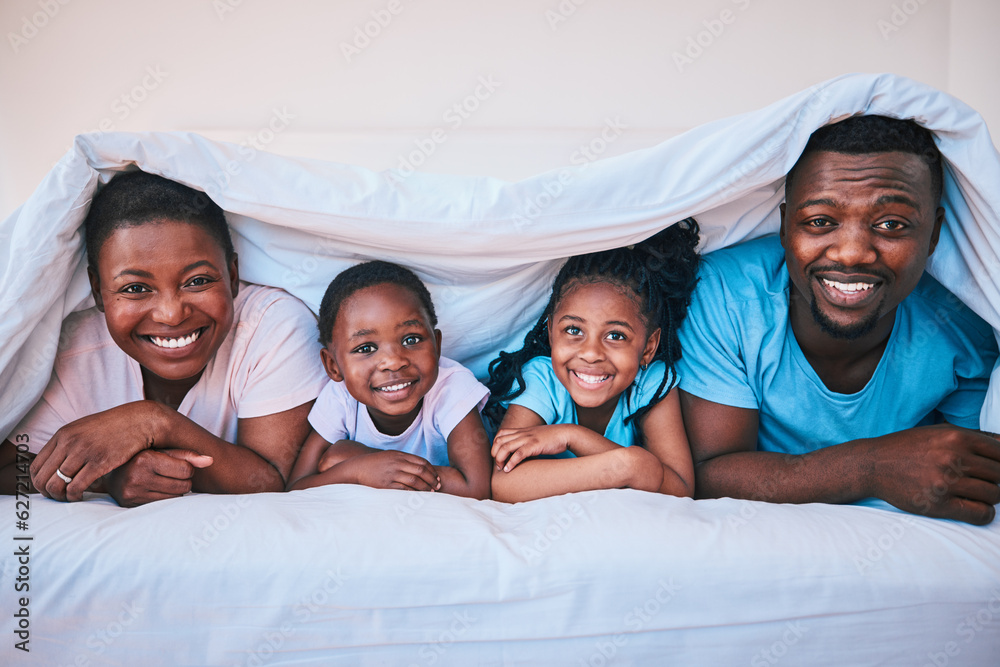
[{"x": 351, "y": 575}]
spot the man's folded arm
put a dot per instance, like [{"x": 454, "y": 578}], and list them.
[
  {"x": 727, "y": 464},
  {"x": 941, "y": 471}
]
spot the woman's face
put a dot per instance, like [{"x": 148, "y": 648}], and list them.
[{"x": 166, "y": 291}]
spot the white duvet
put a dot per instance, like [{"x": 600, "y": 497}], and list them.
[{"x": 487, "y": 248}]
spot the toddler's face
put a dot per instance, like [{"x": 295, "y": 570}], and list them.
[
  {"x": 386, "y": 352},
  {"x": 166, "y": 290},
  {"x": 598, "y": 339}
]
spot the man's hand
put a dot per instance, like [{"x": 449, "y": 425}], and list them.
[
  {"x": 513, "y": 445},
  {"x": 154, "y": 475},
  {"x": 939, "y": 471},
  {"x": 90, "y": 447},
  {"x": 390, "y": 469}
]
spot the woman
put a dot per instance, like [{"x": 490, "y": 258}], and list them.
[{"x": 180, "y": 378}]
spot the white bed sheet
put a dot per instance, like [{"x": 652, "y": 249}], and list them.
[{"x": 351, "y": 575}]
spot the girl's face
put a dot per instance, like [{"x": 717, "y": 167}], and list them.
[
  {"x": 386, "y": 352},
  {"x": 598, "y": 339},
  {"x": 166, "y": 291}
]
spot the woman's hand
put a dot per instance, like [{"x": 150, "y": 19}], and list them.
[
  {"x": 513, "y": 445},
  {"x": 154, "y": 474},
  {"x": 90, "y": 447}
]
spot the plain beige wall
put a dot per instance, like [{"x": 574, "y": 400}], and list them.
[{"x": 555, "y": 71}]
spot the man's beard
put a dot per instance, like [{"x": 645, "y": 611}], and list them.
[{"x": 851, "y": 332}]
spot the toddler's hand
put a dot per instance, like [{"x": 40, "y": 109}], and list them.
[
  {"x": 396, "y": 470},
  {"x": 513, "y": 445},
  {"x": 329, "y": 459}
]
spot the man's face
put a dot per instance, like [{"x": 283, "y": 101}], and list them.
[{"x": 857, "y": 231}]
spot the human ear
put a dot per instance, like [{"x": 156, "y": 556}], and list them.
[
  {"x": 938, "y": 221},
  {"x": 330, "y": 365},
  {"x": 437, "y": 337},
  {"x": 95, "y": 287},
  {"x": 652, "y": 343},
  {"x": 234, "y": 274}
]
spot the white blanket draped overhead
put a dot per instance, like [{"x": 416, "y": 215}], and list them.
[{"x": 487, "y": 248}]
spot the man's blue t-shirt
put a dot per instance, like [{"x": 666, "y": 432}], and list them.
[
  {"x": 739, "y": 350},
  {"x": 547, "y": 397}
]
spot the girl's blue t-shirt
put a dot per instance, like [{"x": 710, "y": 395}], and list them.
[{"x": 547, "y": 397}]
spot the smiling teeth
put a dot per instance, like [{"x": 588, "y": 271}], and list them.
[
  {"x": 591, "y": 379},
  {"x": 395, "y": 387},
  {"x": 849, "y": 287},
  {"x": 175, "y": 342}
]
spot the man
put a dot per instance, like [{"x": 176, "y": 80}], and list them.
[{"x": 825, "y": 365}]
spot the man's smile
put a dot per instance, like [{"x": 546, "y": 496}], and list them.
[
  {"x": 850, "y": 292},
  {"x": 848, "y": 288}
]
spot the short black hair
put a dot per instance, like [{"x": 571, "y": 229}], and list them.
[
  {"x": 361, "y": 276},
  {"x": 860, "y": 135},
  {"x": 136, "y": 198}
]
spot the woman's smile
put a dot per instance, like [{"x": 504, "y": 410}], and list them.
[{"x": 176, "y": 341}]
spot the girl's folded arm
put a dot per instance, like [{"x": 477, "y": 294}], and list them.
[
  {"x": 306, "y": 473},
  {"x": 307, "y": 462},
  {"x": 350, "y": 462},
  {"x": 523, "y": 434},
  {"x": 469, "y": 456},
  {"x": 584, "y": 442},
  {"x": 663, "y": 435},
  {"x": 624, "y": 467},
  {"x": 612, "y": 467}
]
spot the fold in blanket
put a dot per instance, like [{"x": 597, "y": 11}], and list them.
[{"x": 487, "y": 248}]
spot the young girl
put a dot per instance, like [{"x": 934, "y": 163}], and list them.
[
  {"x": 395, "y": 414},
  {"x": 181, "y": 378},
  {"x": 596, "y": 376}
]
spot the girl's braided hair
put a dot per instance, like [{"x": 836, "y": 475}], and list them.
[{"x": 661, "y": 271}]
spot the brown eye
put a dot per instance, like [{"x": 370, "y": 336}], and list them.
[{"x": 819, "y": 222}]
